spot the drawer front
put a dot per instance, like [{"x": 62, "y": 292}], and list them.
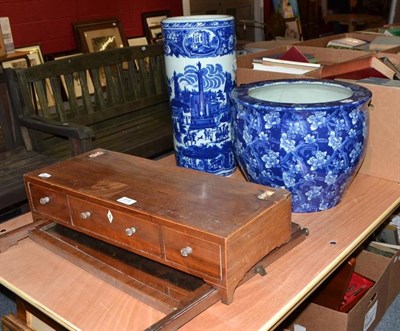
[
  {"x": 193, "y": 253},
  {"x": 115, "y": 227},
  {"x": 51, "y": 204}
]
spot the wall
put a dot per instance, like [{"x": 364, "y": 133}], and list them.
[{"x": 49, "y": 22}]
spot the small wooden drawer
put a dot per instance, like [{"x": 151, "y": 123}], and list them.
[
  {"x": 49, "y": 203},
  {"x": 134, "y": 233},
  {"x": 192, "y": 253}
]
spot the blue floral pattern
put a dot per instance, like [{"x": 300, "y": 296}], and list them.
[{"x": 312, "y": 150}]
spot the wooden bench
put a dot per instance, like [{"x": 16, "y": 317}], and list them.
[
  {"x": 15, "y": 160},
  {"x": 115, "y": 99}
]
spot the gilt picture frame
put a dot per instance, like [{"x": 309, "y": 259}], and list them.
[
  {"x": 35, "y": 57},
  {"x": 34, "y": 54},
  {"x": 100, "y": 35}
]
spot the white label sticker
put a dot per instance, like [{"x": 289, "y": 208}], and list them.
[
  {"x": 126, "y": 201},
  {"x": 370, "y": 316},
  {"x": 44, "y": 175},
  {"x": 298, "y": 327},
  {"x": 96, "y": 154}
]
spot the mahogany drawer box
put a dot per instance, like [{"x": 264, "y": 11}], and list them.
[{"x": 212, "y": 227}]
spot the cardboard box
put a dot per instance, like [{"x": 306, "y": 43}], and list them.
[
  {"x": 323, "y": 41},
  {"x": 365, "y": 315},
  {"x": 325, "y": 56},
  {"x": 394, "y": 278},
  {"x": 383, "y": 234},
  {"x": 382, "y": 158}
]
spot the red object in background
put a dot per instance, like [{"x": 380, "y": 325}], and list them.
[
  {"x": 356, "y": 289},
  {"x": 293, "y": 54},
  {"x": 50, "y": 23}
]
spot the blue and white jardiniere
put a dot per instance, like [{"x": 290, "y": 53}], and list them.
[
  {"x": 307, "y": 136},
  {"x": 200, "y": 63}
]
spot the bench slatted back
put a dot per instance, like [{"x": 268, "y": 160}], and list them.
[
  {"x": 94, "y": 88},
  {"x": 118, "y": 77}
]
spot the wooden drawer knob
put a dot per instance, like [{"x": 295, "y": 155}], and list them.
[
  {"x": 130, "y": 231},
  {"x": 85, "y": 215},
  {"x": 44, "y": 201},
  {"x": 186, "y": 251}
]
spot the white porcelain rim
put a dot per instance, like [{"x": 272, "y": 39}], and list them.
[{"x": 197, "y": 18}]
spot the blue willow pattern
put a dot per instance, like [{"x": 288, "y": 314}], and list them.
[
  {"x": 202, "y": 57},
  {"x": 199, "y": 39}
]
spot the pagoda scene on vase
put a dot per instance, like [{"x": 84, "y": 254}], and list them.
[
  {"x": 201, "y": 114},
  {"x": 200, "y": 64}
]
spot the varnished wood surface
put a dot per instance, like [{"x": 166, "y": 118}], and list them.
[
  {"x": 215, "y": 206},
  {"x": 68, "y": 294},
  {"x": 174, "y": 209},
  {"x": 81, "y": 301}
]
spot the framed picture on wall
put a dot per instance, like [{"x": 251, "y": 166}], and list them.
[
  {"x": 137, "y": 41},
  {"x": 96, "y": 36},
  {"x": 152, "y": 25},
  {"x": 287, "y": 8},
  {"x": 34, "y": 54},
  {"x": 35, "y": 57},
  {"x": 293, "y": 28}
]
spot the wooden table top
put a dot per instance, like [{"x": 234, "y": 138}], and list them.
[{"x": 79, "y": 300}]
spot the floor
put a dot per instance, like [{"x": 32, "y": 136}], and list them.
[
  {"x": 391, "y": 320},
  {"x": 7, "y": 304}
]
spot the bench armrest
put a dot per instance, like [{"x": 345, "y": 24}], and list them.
[
  {"x": 66, "y": 129},
  {"x": 79, "y": 136}
]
